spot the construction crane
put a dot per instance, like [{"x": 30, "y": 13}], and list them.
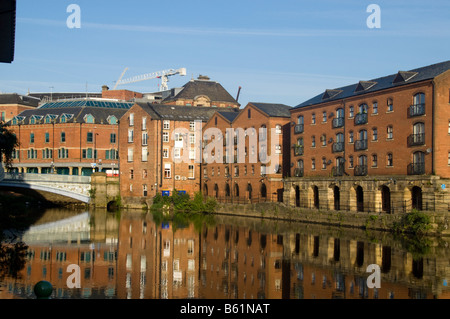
[{"x": 163, "y": 75}]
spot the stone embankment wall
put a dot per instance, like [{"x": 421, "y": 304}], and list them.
[{"x": 362, "y": 220}]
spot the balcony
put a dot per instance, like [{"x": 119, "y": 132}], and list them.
[
  {"x": 416, "y": 110},
  {"x": 298, "y": 172},
  {"x": 338, "y": 147},
  {"x": 338, "y": 122},
  {"x": 360, "y": 145},
  {"x": 416, "y": 169},
  {"x": 361, "y": 118},
  {"x": 298, "y": 129},
  {"x": 298, "y": 150},
  {"x": 338, "y": 170},
  {"x": 360, "y": 170},
  {"x": 416, "y": 139}
]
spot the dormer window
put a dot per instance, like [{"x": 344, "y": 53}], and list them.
[
  {"x": 65, "y": 117},
  {"x": 89, "y": 118},
  {"x": 112, "y": 120},
  {"x": 49, "y": 118},
  {"x": 35, "y": 118}
]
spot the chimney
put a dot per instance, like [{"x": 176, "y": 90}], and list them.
[{"x": 105, "y": 88}]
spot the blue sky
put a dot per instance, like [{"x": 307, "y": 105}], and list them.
[{"x": 284, "y": 51}]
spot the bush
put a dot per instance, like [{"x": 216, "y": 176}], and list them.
[{"x": 415, "y": 222}]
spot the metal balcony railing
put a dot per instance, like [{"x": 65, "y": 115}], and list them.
[
  {"x": 416, "y": 110},
  {"x": 416, "y": 169},
  {"x": 360, "y": 170},
  {"x": 298, "y": 150},
  {"x": 338, "y": 170},
  {"x": 361, "y": 118},
  {"x": 360, "y": 145},
  {"x": 298, "y": 172},
  {"x": 298, "y": 129},
  {"x": 338, "y": 122},
  {"x": 416, "y": 139},
  {"x": 338, "y": 147}
]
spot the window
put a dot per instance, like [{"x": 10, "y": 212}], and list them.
[
  {"x": 144, "y": 173},
  {"x": 390, "y": 105},
  {"x": 32, "y": 153},
  {"x": 236, "y": 171},
  {"x": 131, "y": 119},
  {"x": 374, "y": 160},
  {"x": 249, "y": 113},
  {"x": 165, "y": 153},
  {"x": 363, "y": 108},
  {"x": 390, "y": 160},
  {"x": 374, "y": 134},
  {"x": 351, "y": 111},
  {"x": 323, "y": 138},
  {"x": 63, "y": 153},
  {"x": 192, "y": 138},
  {"x": 313, "y": 141},
  {"x": 89, "y": 118},
  {"x": 167, "y": 171},
  {"x": 112, "y": 138},
  {"x": 63, "y": 137},
  {"x": 144, "y": 138},
  {"x": 253, "y": 169},
  {"x": 112, "y": 119},
  {"x": 390, "y": 132},
  {"x": 350, "y": 137},
  {"x": 47, "y": 153},
  {"x": 278, "y": 129},
  {"x": 448, "y": 159},
  {"x": 90, "y": 137},
  {"x": 87, "y": 153},
  {"x": 165, "y": 137},
  {"x": 324, "y": 163},
  {"x": 166, "y": 125},
  {"x": 192, "y": 153},
  {"x": 313, "y": 163},
  {"x": 130, "y": 154},
  {"x": 277, "y": 149},
  {"x": 192, "y": 125},
  {"x": 144, "y": 123},
  {"x": 419, "y": 99},
  {"x": 176, "y": 152},
  {"x": 191, "y": 172},
  {"x": 350, "y": 161},
  {"x": 324, "y": 116},
  {"x": 32, "y": 136},
  {"x": 144, "y": 153},
  {"x": 130, "y": 135},
  {"x": 47, "y": 137},
  {"x": 375, "y": 108},
  {"x": 299, "y": 120},
  {"x": 313, "y": 118},
  {"x": 131, "y": 174}
]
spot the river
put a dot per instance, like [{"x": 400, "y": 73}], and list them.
[{"x": 96, "y": 254}]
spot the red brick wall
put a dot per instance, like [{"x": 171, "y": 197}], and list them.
[
  {"x": 120, "y": 94},
  {"x": 441, "y": 125},
  {"x": 401, "y": 123}
]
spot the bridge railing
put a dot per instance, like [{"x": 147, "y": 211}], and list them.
[{"x": 29, "y": 177}]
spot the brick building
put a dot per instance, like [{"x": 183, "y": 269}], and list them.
[
  {"x": 247, "y": 163},
  {"x": 376, "y": 145},
  {"x": 160, "y": 149},
  {"x": 13, "y": 104},
  {"x": 72, "y": 137}
]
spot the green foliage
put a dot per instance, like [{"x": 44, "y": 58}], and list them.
[
  {"x": 415, "y": 222},
  {"x": 182, "y": 203},
  {"x": 8, "y": 142}
]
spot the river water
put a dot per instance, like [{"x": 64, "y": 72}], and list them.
[{"x": 134, "y": 255}]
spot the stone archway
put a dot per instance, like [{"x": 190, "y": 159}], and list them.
[
  {"x": 359, "y": 199},
  {"x": 336, "y": 198},
  {"x": 385, "y": 199},
  {"x": 297, "y": 196},
  {"x": 263, "y": 191},
  {"x": 416, "y": 198},
  {"x": 316, "y": 199}
]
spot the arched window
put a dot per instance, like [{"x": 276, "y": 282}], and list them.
[
  {"x": 419, "y": 99},
  {"x": 300, "y": 119}
]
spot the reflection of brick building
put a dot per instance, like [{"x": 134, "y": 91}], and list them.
[
  {"x": 254, "y": 171},
  {"x": 374, "y": 145},
  {"x": 157, "y": 261}
]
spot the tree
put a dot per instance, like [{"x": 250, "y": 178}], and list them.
[{"x": 8, "y": 143}]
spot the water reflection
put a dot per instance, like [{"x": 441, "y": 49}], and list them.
[{"x": 139, "y": 256}]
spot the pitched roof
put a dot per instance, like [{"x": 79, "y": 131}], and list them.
[
  {"x": 394, "y": 80},
  {"x": 273, "y": 110},
  {"x": 77, "y": 110},
  {"x": 213, "y": 90},
  {"x": 14, "y": 98},
  {"x": 230, "y": 116},
  {"x": 183, "y": 113}
]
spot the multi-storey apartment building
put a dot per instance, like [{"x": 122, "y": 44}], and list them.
[
  {"x": 72, "y": 137},
  {"x": 243, "y": 157},
  {"x": 161, "y": 149},
  {"x": 375, "y": 145}
]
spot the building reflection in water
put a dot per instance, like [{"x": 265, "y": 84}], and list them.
[{"x": 134, "y": 257}]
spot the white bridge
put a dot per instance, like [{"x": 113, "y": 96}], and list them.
[{"x": 69, "y": 186}]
